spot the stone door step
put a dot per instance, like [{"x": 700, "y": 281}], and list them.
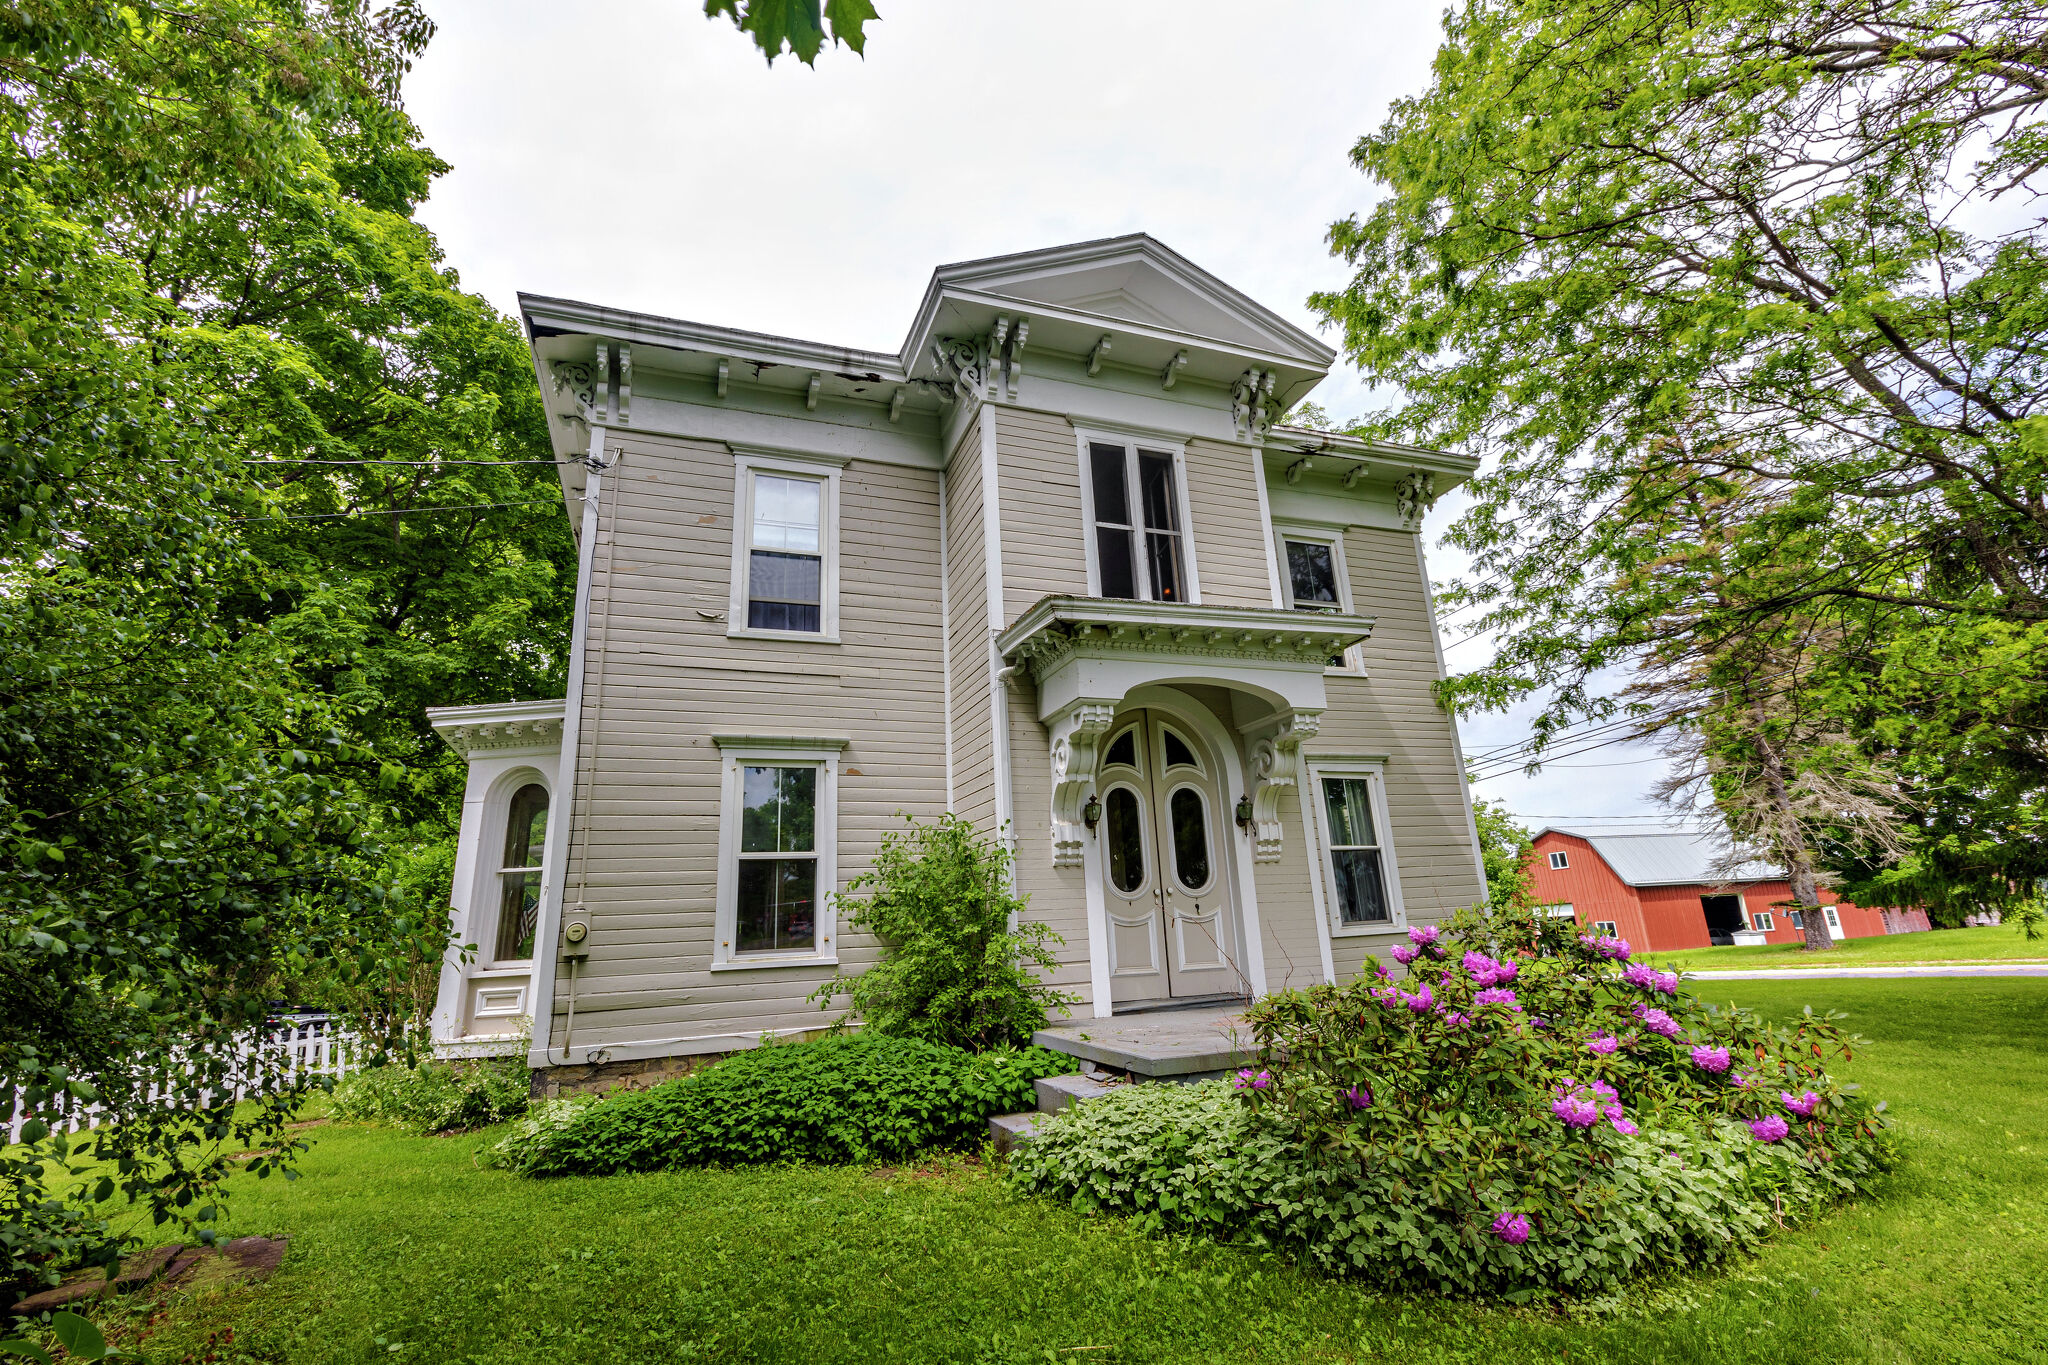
[
  {"x": 1010, "y": 1131},
  {"x": 1057, "y": 1092}
]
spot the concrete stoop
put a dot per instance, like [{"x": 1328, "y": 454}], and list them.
[{"x": 1055, "y": 1093}]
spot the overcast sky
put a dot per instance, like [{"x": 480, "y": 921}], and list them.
[{"x": 632, "y": 153}]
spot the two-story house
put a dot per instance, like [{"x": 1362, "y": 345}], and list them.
[{"x": 1054, "y": 566}]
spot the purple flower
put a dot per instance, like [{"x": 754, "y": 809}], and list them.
[
  {"x": 1802, "y": 1105},
  {"x": 1604, "y": 1092},
  {"x": 1486, "y": 971},
  {"x": 1666, "y": 982},
  {"x": 1501, "y": 996},
  {"x": 1248, "y": 1079},
  {"x": 1714, "y": 1059},
  {"x": 1403, "y": 953},
  {"x": 1578, "y": 1113},
  {"x": 1639, "y": 974},
  {"x": 1457, "y": 1020},
  {"x": 1360, "y": 1096},
  {"x": 1657, "y": 1021},
  {"x": 1423, "y": 935},
  {"x": 1620, "y": 1123},
  {"x": 1769, "y": 1128},
  {"x": 1605, "y": 945},
  {"x": 1602, "y": 1044},
  {"x": 1511, "y": 1228},
  {"x": 1420, "y": 1002},
  {"x": 1743, "y": 1081}
]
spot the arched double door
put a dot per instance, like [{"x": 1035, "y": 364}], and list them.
[{"x": 1165, "y": 865}]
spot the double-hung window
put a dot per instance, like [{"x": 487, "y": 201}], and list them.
[
  {"x": 1364, "y": 891},
  {"x": 1763, "y": 920},
  {"x": 1313, "y": 574},
  {"x": 1138, "y": 546},
  {"x": 776, "y": 851},
  {"x": 785, "y": 548},
  {"x": 526, "y": 832}
]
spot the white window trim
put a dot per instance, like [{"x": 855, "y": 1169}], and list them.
[
  {"x": 1606, "y": 926},
  {"x": 1132, "y": 444},
  {"x": 1390, "y": 870},
  {"x": 490, "y": 881},
  {"x": 1284, "y": 531},
  {"x": 1559, "y": 861},
  {"x": 1763, "y": 921},
  {"x": 735, "y": 753},
  {"x": 824, "y": 470}
]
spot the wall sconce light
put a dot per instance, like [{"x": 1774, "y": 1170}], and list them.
[
  {"x": 1091, "y": 812},
  {"x": 1244, "y": 812}
]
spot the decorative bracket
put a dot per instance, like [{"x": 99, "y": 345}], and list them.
[
  {"x": 1252, "y": 404},
  {"x": 1299, "y": 468},
  {"x": 1274, "y": 762},
  {"x": 1413, "y": 496},
  {"x": 1173, "y": 368},
  {"x": 578, "y": 379},
  {"x": 963, "y": 361},
  {"x": 724, "y": 377},
  {"x": 625, "y": 384},
  {"x": 1354, "y": 474},
  {"x": 1013, "y": 362},
  {"x": 1095, "y": 356},
  {"x": 896, "y": 402},
  {"x": 811, "y": 392},
  {"x": 1077, "y": 733}
]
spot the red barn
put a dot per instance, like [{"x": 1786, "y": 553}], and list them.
[{"x": 1656, "y": 889}]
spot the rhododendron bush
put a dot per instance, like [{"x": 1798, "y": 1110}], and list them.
[{"x": 1524, "y": 1112}]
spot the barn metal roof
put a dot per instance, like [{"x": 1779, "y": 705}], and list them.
[{"x": 1670, "y": 857}]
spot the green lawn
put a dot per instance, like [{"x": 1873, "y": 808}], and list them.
[
  {"x": 403, "y": 1250},
  {"x": 2002, "y": 944}
]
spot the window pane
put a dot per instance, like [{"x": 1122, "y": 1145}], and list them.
[
  {"x": 786, "y": 513},
  {"x": 1155, "y": 487},
  {"x": 1349, "y": 802},
  {"x": 1361, "y": 895},
  {"x": 1112, "y": 504},
  {"x": 783, "y": 591},
  {"x": 526, "y": 826},
  {"x": 1113, "y": 558},
  {"x": 1312, "y": 570},
  {"x": 1162, "y": 553},
  {"x": 1124, "y": 750},
  {"x": 778, "y": 810},
  {"x": 1126, "y": 838},
  {"x": 777, "y": 900},
  {"x": 1178, "y": 755},
  {"x": 1190, "y": 838},
  {"x": 518, "y": 913}
]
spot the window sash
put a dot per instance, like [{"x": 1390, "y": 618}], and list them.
[
  {"x": 1139, "y": 539},
  {"x": 784, "y": 573},
  {"x": 1359, "y": 866},
  {"x": 777, "y": 851}
]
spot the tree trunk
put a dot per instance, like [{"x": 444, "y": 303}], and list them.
[
  {"x": 1807, "y": 897},
  {"x": 1791, "y": 848}
]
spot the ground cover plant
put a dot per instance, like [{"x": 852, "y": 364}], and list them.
[
  {"x": 437, "y": 1097},
  {"x": 858, "y": 1098},
  {"x": 403, "y": 1249},
  {"x": 1999, "y": 943},
  {"x": 1527, "y": 1114}
]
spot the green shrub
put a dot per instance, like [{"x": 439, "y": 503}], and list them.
[
  {"x": 863, "y": 1097},
  {"x": 960, "y": 965},
  {"x": 436, "y": 1097},
  {"x": 1544, "y": 1120}
]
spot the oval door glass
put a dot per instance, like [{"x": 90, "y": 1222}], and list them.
[
  {"x": 1190, "y": 838},
  {"x": 1126, "y": 837}
]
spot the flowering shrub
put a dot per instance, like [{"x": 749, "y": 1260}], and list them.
[{"x": 1557, "y": 1137}]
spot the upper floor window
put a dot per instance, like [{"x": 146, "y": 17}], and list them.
[
  {"x": 785, "y": 548},
  {"x": 1559, "y": 861},
  {"x": 526, "y": 830},
  {"x": 1137, "y": 522},
  {"x": 1313, "y": 573}
]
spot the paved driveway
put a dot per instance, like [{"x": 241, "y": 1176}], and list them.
[{"x": 1810, "y": 973}]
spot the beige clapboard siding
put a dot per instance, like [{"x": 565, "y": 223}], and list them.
[
  {"x": 968, "y": 636},
  {"x": 1059, "y": 895},
  {"x": 1292, "y": 934},
  {"x": 661, "y": 677},
  {"x": 1393, "y": 711},
  {"x": 1038, "y": 484},
  {"x": 1229, "y": 534}
]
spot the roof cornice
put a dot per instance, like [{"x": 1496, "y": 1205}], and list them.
[
  {"x": 501, "y": 725},
  {"x": 545, "y": 316},
  {"x": 1054, "y": 627}
]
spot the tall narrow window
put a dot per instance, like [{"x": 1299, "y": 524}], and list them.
[
  {"x": 1312, "y": 574},
  {"x": 526, "y": 831},
  {"x": 778, "y": 871},
  {"x": 1138, "y": 538},
  {"x": 785, "y": 554},
  {"x": 1355, "y": 869}
]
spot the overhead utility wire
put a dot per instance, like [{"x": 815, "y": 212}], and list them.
[
  {"x": 409, "y": 464},
  {"x": 398, "y": 511}
]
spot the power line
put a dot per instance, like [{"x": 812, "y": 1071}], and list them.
[
  {"x": 409, "y": 464},
  {"x": 398, "y": 511}
]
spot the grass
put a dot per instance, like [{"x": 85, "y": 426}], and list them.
[
  {"x": 403, "y": 1250},
  {"x": 2003, "y": 943}
]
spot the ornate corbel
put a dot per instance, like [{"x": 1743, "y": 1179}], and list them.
[
  {"x": 1252, "y": 404},
  {"x": 625, "y": 384},
  {"x": 1276, "y": 749},
  {"x": 602, "y": 403},
  {"x": 1413, "y": 496},
  {"x": 963, "y": 362},
  {"x": 1013, "y": 363},
  {"x": 577, "y": 379},
  {"x": 1077, "y": 733}
]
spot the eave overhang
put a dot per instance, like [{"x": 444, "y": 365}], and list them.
[{"x": 531, "y": 725}]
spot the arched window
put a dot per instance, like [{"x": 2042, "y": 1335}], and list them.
[{"x": 526, "y": 829}]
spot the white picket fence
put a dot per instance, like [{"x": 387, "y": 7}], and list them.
[{"x": 311, "y": 1044}]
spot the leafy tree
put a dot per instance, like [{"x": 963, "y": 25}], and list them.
[
  {"x": 799, "y": 26},
  {"x": 1641, "y": 251},
  {"x": 961, "y": 966},
  {"x": 216, "y": 787},
  {"x": 1505, "y": 848}
]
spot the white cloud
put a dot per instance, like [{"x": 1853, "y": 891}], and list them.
[{"x": 633, "y": 153}]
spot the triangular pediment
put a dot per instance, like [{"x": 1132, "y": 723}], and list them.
[{"x": 1136, "y": 279}]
